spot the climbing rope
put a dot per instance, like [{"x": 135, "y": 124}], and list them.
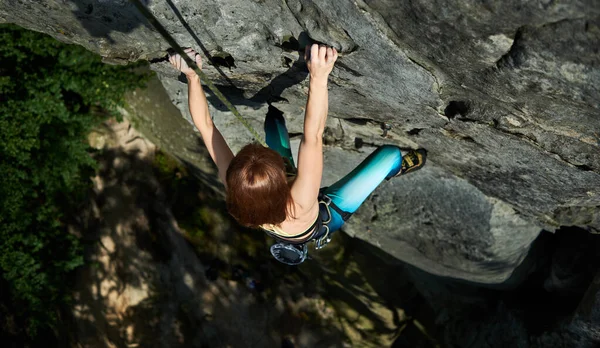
[{"x": 163, "y": 32}]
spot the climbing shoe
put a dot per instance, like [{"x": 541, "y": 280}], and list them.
[{"x": 413, "y": 160}]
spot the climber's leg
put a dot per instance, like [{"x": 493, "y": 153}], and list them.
[
  {"x": 352, "y": 190},
  {"x": 276, "y": 135}
]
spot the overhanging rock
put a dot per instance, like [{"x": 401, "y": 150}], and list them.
[{"x": 502, "y": 95}]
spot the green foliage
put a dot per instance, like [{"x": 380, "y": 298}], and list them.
[{"x": 51, "y": 95}]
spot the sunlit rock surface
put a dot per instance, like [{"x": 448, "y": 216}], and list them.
[{"x": 503, "y": 95}]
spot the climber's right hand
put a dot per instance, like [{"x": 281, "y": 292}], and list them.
[
  {"x": 319, "y": 60},
  {"x": 179, "y": 63}
]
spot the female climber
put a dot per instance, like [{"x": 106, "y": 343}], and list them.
[{"x": 288, "y": 203}]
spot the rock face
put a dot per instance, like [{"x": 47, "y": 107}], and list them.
[{"x": 502, "y": 94}]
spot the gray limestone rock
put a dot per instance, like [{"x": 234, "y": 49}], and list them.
[{"x": 502, "y": 94}]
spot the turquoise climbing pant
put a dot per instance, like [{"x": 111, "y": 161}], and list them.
[
  {"x": 277, "y": 137},
  {"x": 351, "y": 191}
]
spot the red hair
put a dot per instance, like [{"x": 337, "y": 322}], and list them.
[{"x": 257, "y": 188}]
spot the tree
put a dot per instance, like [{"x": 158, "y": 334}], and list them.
[{"x": 50, "y": 95}]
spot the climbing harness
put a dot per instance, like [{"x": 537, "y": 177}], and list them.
[
  {"x": 294, "y": 253},
  {"x": 163, "y": 32}
]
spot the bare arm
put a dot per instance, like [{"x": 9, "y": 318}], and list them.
[
  {"x": 218, "y": 149},
  {"x": 305, "y": 189}
]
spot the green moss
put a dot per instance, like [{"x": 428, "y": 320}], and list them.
[{"x": 166, "y": 165}]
